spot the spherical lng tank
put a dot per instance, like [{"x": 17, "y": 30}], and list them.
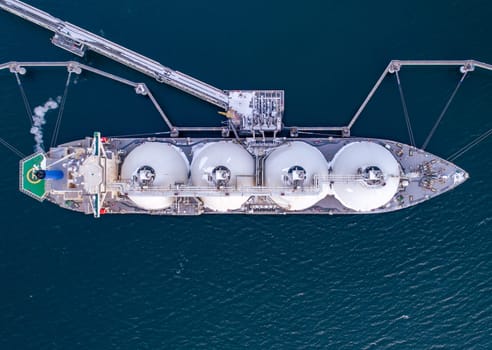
[
  {"x": 220, "y": 165},
  {"x": 154, "y": 164},
  {"x": 295, "y": 165},
  {"x": 366, "y": 175}
]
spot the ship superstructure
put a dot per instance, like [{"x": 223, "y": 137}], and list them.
[{"x": 256, "y": 166}]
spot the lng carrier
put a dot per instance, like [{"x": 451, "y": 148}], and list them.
[{"x": 256, "y": 166}]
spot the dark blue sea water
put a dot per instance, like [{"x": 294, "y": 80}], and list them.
[{"x": 415, "y": 279}]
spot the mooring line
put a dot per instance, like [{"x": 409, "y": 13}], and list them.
[
  {"x": 24, "y": 98},
  {"x": 438, "y": 121},
  {"x": 56, "y": 130},
  {"x": 12, "y": 148},
  {"x": 405, "y": 110},
  {"x": 469, "y": 146}
]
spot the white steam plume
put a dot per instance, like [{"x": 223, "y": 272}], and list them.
[{"x": 38, "y": 120}]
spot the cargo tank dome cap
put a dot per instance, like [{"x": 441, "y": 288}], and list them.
[
  {"x": 154, "y": 164},
  {"x": 366, "y": 175},
  {"x": 295, "y": 165},
  {"x": 219, "y": 165}
]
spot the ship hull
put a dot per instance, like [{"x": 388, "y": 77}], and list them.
[{"x": 100, "y": 175}]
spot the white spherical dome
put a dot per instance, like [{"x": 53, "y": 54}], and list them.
[
  {"x": 296, "y": 161},
  {"x": 154, "y": 164},
  {"x": 366, "y": 175},
  {"x": 222, "y": 164}
]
